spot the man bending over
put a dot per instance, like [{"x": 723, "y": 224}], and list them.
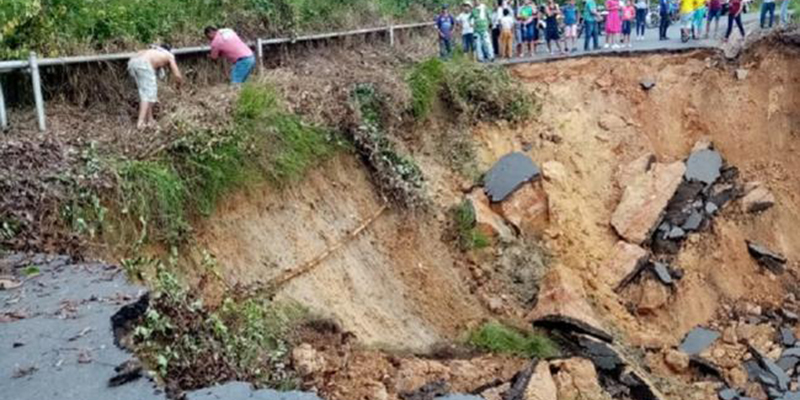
[
  {"x": 142, "y": 67},
  {"x": 227, "y": 43}
]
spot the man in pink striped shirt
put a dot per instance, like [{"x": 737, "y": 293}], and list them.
[{"x": 226, "y": 42}]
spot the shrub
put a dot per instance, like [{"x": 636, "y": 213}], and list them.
[
  {"x": 425, "y": 80},
  {"x": 498, "y": 338},
  {"x": 467, "y": 236}
]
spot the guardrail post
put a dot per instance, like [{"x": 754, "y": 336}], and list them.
[
  {"x": 3, "y": 116},
  {"x": 37, "y": 91},
  {"x": 260, "y": 55},
  {"x": 391, "y": 35}
]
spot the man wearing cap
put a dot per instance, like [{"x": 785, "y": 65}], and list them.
[
  {"x": 227, "y": 43},
  {"x": 465, "y": 21},
  {"x": 142, "y": 67},
  {"x": 444, "y": 25}
]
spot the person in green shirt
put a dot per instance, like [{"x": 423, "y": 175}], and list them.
[
  {"x": 527, "y": 16},
  {"x": 481, "y": 21},
  {"x": 590, "y": 29}
]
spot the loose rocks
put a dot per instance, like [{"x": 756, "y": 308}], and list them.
[
  {"x": 698, "y": 340},
  {"x": 704, "y": 166},
  {"x": 758, "y": 199},
  {"x": 766, "y": 258}
]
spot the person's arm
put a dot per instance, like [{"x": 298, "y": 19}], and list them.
[
  {"x": 215, "y": 48},
  {"x": 173, "y": 66}
]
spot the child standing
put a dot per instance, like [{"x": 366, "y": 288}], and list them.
[
  {"x": 507, "y": 26},
  {"x": 570, "y": 12},
  {"x": 628, "y": 13},
  {"x": 613, "y": 23}
]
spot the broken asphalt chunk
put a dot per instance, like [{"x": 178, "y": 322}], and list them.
[
  {"x": 711, "y": 208},
  {"x": 676, "y": 233},
  {"x": 727, "y": 394},
  {"x": 698, "y": 340},
  {"x": 600, "y": 353},
  {"x": 662, "y": 273},
  {"x": 793, "y": 352},
  {"x": 787, "y": 337},
  {"x": 647, "y": 83},
  {"x": 706, "y": 367},
  {"x": 693, "y": 222},
  {"x": 787, "y": 363},
  {"x": 508, "y": 174},
  {"x": 766, "y": 258},
  {"x": 704, "y": 166},
  {"x": 571, "y": 325},
  {"x": 781, "y": 378}
]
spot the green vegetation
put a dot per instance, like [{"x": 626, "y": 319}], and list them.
[
  {"x": 193, "y": 346},
  {"x": 498, "y": 338},
  {"x": 476, "y": 92},
  {"x": 161, "y": 195},
  {"x": 467, "y": 236},
  {"x": 59, "y": 27},
  {"x": 396, "y": 175}
]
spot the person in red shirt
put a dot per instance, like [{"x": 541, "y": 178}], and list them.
[
  {"x": 734, "y": 15},
  {"x": 226, "y": 43}
]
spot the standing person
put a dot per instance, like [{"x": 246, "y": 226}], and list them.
[
  {"x": 613, "y": 23},
  {"x": 628, "y": 14},
  {"x": 226, "y": 42},
  {"x": 590, "y": 16},
  {"x": 481, "y": 21},
  {"x": 551, "y": 29},
  {"x": 507, "y": 28},
  {"x": 142, "y": 67},
  {"x": 767, "y": 7},
  {"x": 641, "y": 18},
  {"x": 467, "y": 33},
  {"x": 714, "y": 14},
  {"x": 687, "y": 19},
  {"x": 785, "y": 12},
  {"x": 570, "y": 12},
  {"x": 527, "y": 20},
  {"x": 444, "y": 25},
  {"x": 699, "y": 17},
  {"x": 664, "y": 19},
  {"x": 497, "y": 13},
  {"x": 734, "y": 15}
]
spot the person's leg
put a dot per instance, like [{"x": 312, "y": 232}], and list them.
[
  {"x": 771, "y": 14},
  {"x": 489, "y": 49},
  {"x": 763, "y": 14},
  {"x": 141, "y": 122},
  {"x": 730, "y": 27},
  {"x": 241, "y": 70},
  {"x": 739, "y": 24},
  {"x": 785, "y": 12}
]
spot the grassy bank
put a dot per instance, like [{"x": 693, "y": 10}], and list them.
[{"x": 59, "y": 27}]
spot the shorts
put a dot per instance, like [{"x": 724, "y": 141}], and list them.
[
  {"x": 714, "y": 14},
  {"x": 626, "y": 27},
  {"x": 530, "y": 33},
  {"x": 571, "y": 31},
  {"x": 241, "y": 70},
  {"x": 687, "y": 19},
  {"x": 145, "y": 76}
]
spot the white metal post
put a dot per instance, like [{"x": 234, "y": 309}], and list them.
[
  {"x": 37, "y": 91},
  {"x": 3, "y": 116},
  {"x": 260, "y": 55},
  {"x": 391, "y": 35}
]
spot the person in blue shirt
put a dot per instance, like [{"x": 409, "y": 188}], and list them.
[
  {"x": 664, "y": 15},
  {"x": 590, "y": 28},
  {"x": 444, "y": 24},
  {"x": 570, "y": 12}
]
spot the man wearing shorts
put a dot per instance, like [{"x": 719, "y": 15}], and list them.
[
  {"x": 570, "y": 12},
  {"x": 714, "y": 14},
  {"x": 529, "y": 30},
  {"x": 142, "y": 68},
  {"x": 226, "y": 43}
]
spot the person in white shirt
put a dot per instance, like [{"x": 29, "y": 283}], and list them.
[
  {"x": 467, "y": 33},
  {"x": 507, "y": 25}
]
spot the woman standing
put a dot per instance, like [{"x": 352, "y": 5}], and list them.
[
  {"x": 613, "y": 24},
  {"x": 551, "y": 29},
  {"x": 734, "y": 16},
  {"x": 641, "y": 18}
]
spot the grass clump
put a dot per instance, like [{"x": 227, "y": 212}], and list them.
[
  {"x": 397, "y": 175},
  {"x": 476, "y": 92},
  {"x": 498, "y": 338},
  {"x": 193, "y": 346},
  {"x": 467, "y": 236},
  {"x": 425, "y": 80}
]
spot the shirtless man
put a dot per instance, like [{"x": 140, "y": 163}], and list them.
[{"x": 142, "y": 67}]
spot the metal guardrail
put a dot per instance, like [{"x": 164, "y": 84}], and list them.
[{"x": 33, "y": 64}]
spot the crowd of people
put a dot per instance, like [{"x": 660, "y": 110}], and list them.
[{"x": 518, "y": 28}]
